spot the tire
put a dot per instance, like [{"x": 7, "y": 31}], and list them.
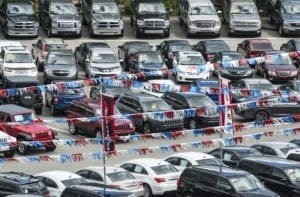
[
  {"x": 9, "y": 153},
  {"x": 79, "y": 35},
  {"x": 98, "y": 133},
  {"x": 23, "y": 149},
  {"x": 50, "y": 148},
  {"x": 261, "y": 115},
  {"x": 187, "y": 195},
  {"x": 146, "y": 127},
  {"x": 147, "y": 190},
  {"x": 39, "y": 110},
  {"x": 73, "y": 129},
  {"x": 27, "y": 99},
  {"x": 192, "y": 124}
]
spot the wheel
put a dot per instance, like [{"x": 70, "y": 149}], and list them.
[
  {"x": 38, "y": 110},
  {"x": 188, "y": 195},
  {"x": 50, "y": 147},
  {"x": 98, "y": 133},
  {"x": 79, "y": 35},
  {"x": 192, "y": 124},
  {"x": 23, "y": 149},
  {"x": 27, "y": 99},
  {"x": 53, "y": 111},
  {"x": 147, "y": 190},
  {"x": 73, "y": 129},
  {"x": 146, "y": 127},
  {"x": 9, "y": 153},
  {"x": 261, "y": 115}
]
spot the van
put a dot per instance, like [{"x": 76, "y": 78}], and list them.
[{"x": 199, "y": 17}]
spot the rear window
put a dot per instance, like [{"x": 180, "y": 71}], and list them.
[
  {"x": 76, "y": 181},
  {"x": 139, "y": 47},
  {"x": 164, "y": 169},
  {"x": 216, "y": 47},
  {"x": 261, "y": 46},
  {"x": 120, "y": 176},
  {"x": 212, "y": 161}
]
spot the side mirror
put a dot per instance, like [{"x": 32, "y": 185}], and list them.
[
  {"x": 121, "y": 61},
  {"x": 157, "y": 46},
  {"x": 261, "y": 11},
  {"x": 119, "y": 47}
]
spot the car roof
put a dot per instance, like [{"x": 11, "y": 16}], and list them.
[
  {"x": 150, "y": 162},
  {"x": 177, "y": 41},
  {"x": 108, "y": 169},
  {"x": 60, "y": 1},
  {"x": 19, "y": 177},
  {"x": 103, "y": 1},
  {"x": 200, "y": 2},
  {"x": 214, "y": 41},
  {"x": 230, "y": 52},
  {"x": 192, "y": 155},
  {"x": 53, "y": 40},
  {"x": 13, "y": 109},
  {"x": 143, "y": 97},
  {"x": 97, "y": 44},
  {"x": 61, "y": 50},
  {"x": 258, "y": 40},
  {"x": 273, "y": 161},
  {"x": 93, "y": 103},
  {"x": 277, "y": 144},
  {"x": 238, "y": 148},
  {"x": 242, "y": 1},
  {"x": 196, "y": 53},
  {"x": 9, "y": 43},
  {"x": 224, "y": 171},
  {"x": 189, "y": 94},
  {"x": 59, "y": 175}
]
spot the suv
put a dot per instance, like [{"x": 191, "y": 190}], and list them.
[
  {"x": 102, "y": 17},
  {"x": 150, "y": 17},
  {"x": 219, "y": 181},
  {"x": 8, "y": 145},
  {"x": 285, "y": 15},
  {"x": 241, "y": 17},
  {"x": 92, "y": 108},
  {"x": 280, "y": 175},
  {"x": 20, "y": 183},
  {"x": 60, "y": 65},
  {"x": 32, "y": 96},
  {"x": 199, "y": 17},
  {"x": 30, "y": 128},
  {"x": 144, "y": 109},
  {"x": 60, "y": 17},
  {"x": 18, "y": 18}
]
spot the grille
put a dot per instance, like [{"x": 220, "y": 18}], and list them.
[
  {"x": 173, "y": 121},
  {"x": 66, "y": 24},
  {"x": 205, "y": 24},
  {"x": 61, "y": 72},
  {"x": 42, "y": 135},
  {"x": 283, "y": 73},
  {"x": 23, "y": 25},
  {"x": 3, "y": 141},
  {"x": 295, "y": 24},
  {"x": 104, "y": 69},
  {"x": 154, "y": 23},
  {"x": 122, "y": 127},
  {"x": 108, "y": 24},
  {"x": 246, "y": 24},
  {"x": 238, "y": 72}
]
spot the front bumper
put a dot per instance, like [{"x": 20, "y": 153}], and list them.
[
  {"x": 236, "y": 77},
  {"x": 20, "y": 73},
  {"x": 23, "y": 32},
  {"x": 55, "y": 77},
  {"x": 149, "y": 30},
  {"x": 160, "y": 126},
  {"x": 245, "y": 30},
  {"x": 107, "y": 31},
  {"x": 69, "y": 31},
  {"x": 196, "y": 30},
  {"x": 8, "y": 147},
  {"x": 185, "y": 77}
]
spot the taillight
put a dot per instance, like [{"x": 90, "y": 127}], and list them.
[
  {"x": 50, "y": 133},
  {"x": 44, "y": 52},
  {"x": 160, "y": 180},
  {"x": 33, "y": 136},
  {"x": 115, "y": 186},
  {"x": 55, "y": 99},
  {"x": 170, "y": 56}
]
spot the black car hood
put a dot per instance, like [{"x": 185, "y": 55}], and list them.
[
  {"x": 65, "y": 17},
  {"x": 19, "y": 18},
  {"x": 258, "y": 193},
  {"x": 107, "y": 17},
  {"x": 153, "y": 16}
]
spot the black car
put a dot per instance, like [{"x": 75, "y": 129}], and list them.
[
  {"x": 187, "y": 100},
  {"x": 128, "y": 49},
  {"x": 219, "y": 181},
  {"x": 31, "y": 98},
  {"x": 231, "y": 155},
  {"x": 293, "y": 45},
  {"x": 20, "y": 183},
  {"x": 115, "y": 91},
  {"x": 144, "y": 109},
  {"x": 18, "y": 19},
  {"x": 83, "y": 49},
  {"x": 150, "y": 17},
  {"x": 279, "y": 175},
  {"x": 209, "y": 48},
  {"x": 227, "y": 65},
  {"x": 169, "y": 49}
]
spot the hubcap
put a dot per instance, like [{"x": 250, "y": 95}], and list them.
[
  {"x": 261, "y": 116},
  {"x": 72, "y": 128},
  {"x": 21, "y": 148},
  {"x": 192, "y": 124}
]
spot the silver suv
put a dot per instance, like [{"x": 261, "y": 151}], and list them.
[{"x": 199, "y": 17}]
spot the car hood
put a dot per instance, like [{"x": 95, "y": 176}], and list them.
[
  {"x": 240, "y": 68},
  {"x": 190, "y": 69},
  {"x": 19, "y": 65},
  {"x": 105, "y": 65},
  {"x": 202, "y": 17},
  {"x": 153, "y": 66},
  {"x": 60, "y": 67},
  {"x": 286, "y": 67},
  {"x": 65, "y": 17},
  {"x": 31, "y": 128},
  {"x": 23, "y": 18},
  {"x": 258, "y": 193},
  {"x": 245, "y": 17},
  {"x": 153, "y": 16},
  {"x": 110, "y": 17}
]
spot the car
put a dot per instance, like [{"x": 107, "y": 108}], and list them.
[
  {"x": 275, "y": 148},
  {"x": 92, "y": 108},
  {"x": 296, "y": 141},
  {"x": 208, "y": 48},
  {"x": 263, "y": 85},
  {"x": 31, "y": 129},
  {"x": 189, "y": 100},
  {"x": 32, "y": 97},
  {"x": 277, "y": 66},
  {"x": 242, "y": 17},
  {"x": 209, "y": 87},
  {"x": 83, "y": 49},
  {"x": 128, "y": 49},
  {"x": 94, "y": 190},
  {"x": 41, "y": 47},
  {"x": 60, "y": 17},
  {"x": 157, "y": 87},
  {"x": 150, "y": 17},
  {"x": 19, "y": 19},
  {"x": 183, "y": 160},
  {"x": 60, "y": 65},
  {"x": 8, "y": 145},
  {"x": 169, "y": 48},
  {"x": 278, "y": 174},
  {"x": 190, "y": 66},
  {"x": 232, "y": 154},
  {"x": 102, "y": 62},
  {"x": 115, "y": 177},
  {"x": 227, "y": 65},
  {"x": 146, "y": 105},
  {"x": 158, "y": 177},
  {"x": 292, "y": 45},
  {"x": 21, "y": 183},
  {"x": 219, "y": 181},
  {"x": 249, "y": 48},
  {"x": 293, "y": 154},
  {"x": 291, "y": 87},
  {"x": 199, "y": 17},
  {"x": 102, "y": 17},
  {"x": 59, "y": 99},
  {"x": 57, "y": 180}
]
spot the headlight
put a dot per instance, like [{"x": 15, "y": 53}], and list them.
[
  {"x": 34, "y": 69},
  {"x": 48, "y": 71},
  {"x": 140, "y": 22},
  {"x": 164, "y": 66},
  {"x": 54, "y": 23},
  {"x": 286, "y": 24},
  {"x": 249, "y": 72},
  {"x": 218, "y": 23},
  {"x": 79, "y": 24},
  {"x": 7, "y": 69},
  {"x": 259, "y": 23},
  {"x": 232, "y": 23},
  {"x": 119, "y": 69},
  {"x": 94, "y": 69},
  {"x": 192, "y": 23},
  {"x": 10, "y": 23},
  {"x": 121, "y": 23},
  {"x": 273, "y": 73},
  {"x": 294, "y": 72},
  {"x": 94, "y": 24},
  {"x": 11, "y": 139},
  {"x": 73, "y": 71},
  {"x": 167, "y": 22}
]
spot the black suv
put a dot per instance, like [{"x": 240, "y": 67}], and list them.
[
  {"x": 188, "y": 100},
  {"x": 150, "y": 113},
  {"x": 280, "y": 175},
  {"x": 150, "y": 17},
  {"x": 31, "y": 98},
  {"x": 18, "y": 18},
  {"x": 20, "y": 183},
  {"x": 214, "y": 181},
  {"x": 60, "y": 17}
]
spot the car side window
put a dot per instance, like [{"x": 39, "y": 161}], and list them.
[
  {"x": 49, "y": 183},
  {"x": 89, "y": 112},
  {"x": 95, "y": 176},
  {"x": 262, "y": 170},
  {"x": 216, "y": 153},
  {"x": 83, "y": 173},
  {"x": 69, "y": 193},
  {"x": 278, "y": 175},
  {"x": 128, "y": 166},
  {"x": 139, "y": 169},
  {"x": 223, "y": 185},
  {"x": 290, "y": 46},
  {"x": 295, "y": 157},
  {"x": 228, "y": 156},
  {"x": 172, "y": 160},
  {"x": 184, "y": 163},
  {"x": 269, "y": 151}
]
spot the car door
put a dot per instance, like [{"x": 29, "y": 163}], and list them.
[
  {"x": 51, "y": 186},
  {"x": 230, "y": 158},
  {"x": 285, "y": 108},
  {"x": 279, "y": 182}
]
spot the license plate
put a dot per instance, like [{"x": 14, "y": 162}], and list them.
[
  {"x": 153, "y": 31},
  {"x": 4, "y": 148}
]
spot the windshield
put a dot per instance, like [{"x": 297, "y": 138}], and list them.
[
  {"x": 151, "y": 8},
  {"x": 180, "y": 47},
  {"x": 293, "y": 174},
  {"x": 147, "y": 58},
  {"x": 154, "y": 106},
  {"x": 286, "y": 149},
  {"x": 55, "y": 46},
  {"x": 233, "y": 56},
  {"x": 27, "y": 117},
  {"x": 245, "y": 183},
  {"x": 19, "y": 9},
  {"x": 109, "y": 8},
  {"x": 60, "y": 59},
  {"x": 216, "y": 47},
  {"x": 211, "y": 161},
  {"x": 243, "y": 9},
  {"x": 199, "y": 101},
  {"x": 104, "y": 58},
  {"x": 76, "y": 181},
  {"x": 18, "y": 58},
  {"x": 120, "y": 176},
  {"x": 291, "y": 9},
  {"x": 249, "y": 153},
  {"x": 261, "y": 46},
  {"x": 62, "y": 9},
  {"x": 261, "y": 86},
  {"x": 278, "y": 59},
  {"x": 192, "y": 60},
  {"x": 164, "y": 169},
  {"x": 203, "y": 10},
  {"x": 139, "y": 47},
  {"x": 66, "y": 91}
]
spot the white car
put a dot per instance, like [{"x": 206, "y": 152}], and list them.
[
  {"x": 275, "y": 148},
  {"x": 159, "y": 177},
  {"x": 186, "y": 159},
  {"x": 115, "y": 176},
  {"x": 8, "y": 144},
  {"x": 190, "y": 66},
  {"x": 57, "y": 180},
  {"x": 157, "y": 87},
  {"x": 293, "y": 154}
]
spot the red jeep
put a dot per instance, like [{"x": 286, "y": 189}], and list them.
[{"x": 25, "y": 126}]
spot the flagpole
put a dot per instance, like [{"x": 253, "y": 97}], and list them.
[{"x": 221, "y": 119}]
